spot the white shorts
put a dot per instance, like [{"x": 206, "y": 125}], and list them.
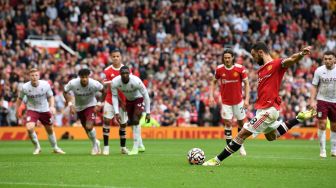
[
  {"x": 237, "y": 110},
  {"x": 265, "y": 121},
  {"x": 109, "y": 113}
]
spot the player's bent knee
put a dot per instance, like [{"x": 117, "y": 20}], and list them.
[
  {"x": 30, "y": 126},
  {"x": 123, "y": 125},
  {"x": 244, "y": 133},
  {"x": 227, "y": 124},
  {"x": 240, "y": 123},
  {"x": 270, "y": 137},
  {"x": 89, "y": 126},
  {"x": 107, "y": 121}
]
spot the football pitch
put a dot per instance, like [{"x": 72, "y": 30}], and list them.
[{"x": 290, "y": 163}]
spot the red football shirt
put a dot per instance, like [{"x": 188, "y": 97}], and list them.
[
  {"x": 230, "y": 80},
  {"x": 269, "y": 79},
  {"x": 110, "y": 73}
]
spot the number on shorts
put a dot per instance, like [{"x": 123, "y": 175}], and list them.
[
  {"x": 241, "y": 109},
  {"x": 253, "y": 121}
]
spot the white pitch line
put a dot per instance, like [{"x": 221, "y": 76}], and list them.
[
  {"x": 56, "y": 185},
  {"x": 252, "y": 156}
]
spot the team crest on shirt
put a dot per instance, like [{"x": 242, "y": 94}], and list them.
[
  {"x": 269, "y": 67},
  {"x": 223, "y": 75},
  {"x": 235, "y": 74},
  {"x": 112, "y": 75}
]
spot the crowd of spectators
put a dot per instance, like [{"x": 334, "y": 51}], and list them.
[{"x": 174, "y": 46}]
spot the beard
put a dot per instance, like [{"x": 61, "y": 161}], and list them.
[{"x": 260, "y": 62}]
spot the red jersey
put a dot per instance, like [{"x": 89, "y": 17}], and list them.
[
  {"x": 269, "y": 79},
  {"x": 110, "y": 73},
  {"x": 230, "y": 80}
]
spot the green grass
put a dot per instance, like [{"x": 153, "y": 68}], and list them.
[{"x": 268, "y": 164}]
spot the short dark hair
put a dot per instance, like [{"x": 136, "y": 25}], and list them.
[
  {"x": 261, "y": 46},
  {"x": 123, "y": 69},
  {"x": 84, "y": 72},
  {"x": 228, "y": 51},
  {"x": 329, "y": 53},
  {"x": 116, "y": 50},
  {"x": 33, "y": 70}
]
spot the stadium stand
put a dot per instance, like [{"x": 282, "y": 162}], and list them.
[{"x": 174, "y": 46}]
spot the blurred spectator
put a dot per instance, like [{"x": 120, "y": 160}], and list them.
[
  {"x": 200, "y": 108},
  {"x": 3, "y": 112},
  {"x": 167, "y": 119}
]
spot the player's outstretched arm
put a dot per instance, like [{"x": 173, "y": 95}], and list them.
[
  {"x": 144, "y": 93},
  {"x": 69, "y": 102},
  {"x": 313, "y": 92},
  {"x": 17, "y": 107},
  {"x": 247, "y": 93},
  {"x": 51, "y": 101},
  {"x": 115, "y": 100},
  {"x": 104, "y": 93},
  {"x": 295, "y": 58},
  {"x": 100, "y": 96},
  {"x": 68, "y": 98}
]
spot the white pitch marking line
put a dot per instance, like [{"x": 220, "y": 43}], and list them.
[{"x": 56, "y": 185}]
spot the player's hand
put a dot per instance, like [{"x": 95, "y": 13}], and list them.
[
  {"x": 306, "y": 50},
  {"x": 246, "y": 104},
  {"x": 53, "y": 110},
  {"x": 72, "y": 110},
  {"x": 147, "y": 118},
  {"x": 312, "y": 104},
  {"x": 117, "y": 118}
]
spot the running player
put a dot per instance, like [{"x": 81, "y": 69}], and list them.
[
  {"x": 84, "y": 90},
  {"x": 136, "y": 95},
  {"x": 270, "y": 75},
  {"x": 325, "y": 83},
  {"x": 109, "y": 73},
  {"x": 230, "y": 77},
  {"x": 40, "y": 106}
]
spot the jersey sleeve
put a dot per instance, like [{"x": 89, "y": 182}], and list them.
[
  {"x": 49, "y": 91},
  {"x": 316, "y": 78},
  {"x": 106, "y": 77},
  {"x": 22, "y": 93},
  {"x": 217, "y": 74},
  {"x": 244, "y": 73},
  {"x": 144, "y": 93},
  {"x": 68, "y": 87},
  {"x": 98, "y": 86},
  {"x": 114, "y": 88},
  {"x": 278, "y": 65},
  {"x": 141, "y": 86}
]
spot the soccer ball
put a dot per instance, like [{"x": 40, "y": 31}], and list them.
[{"x": 196, "y": 156}]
